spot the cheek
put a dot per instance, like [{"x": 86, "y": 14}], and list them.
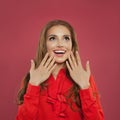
[
  {"x": 69, "y": 47},
  {"x": 50, "y": 46},
  {"x": 68, "y": 53}
]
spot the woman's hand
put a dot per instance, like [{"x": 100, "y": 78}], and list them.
[
  {"x": 39, "y": 75},
  {"x": 77, "y": 72}
]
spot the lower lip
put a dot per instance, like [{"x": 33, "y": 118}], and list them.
[{"x": 59, "y": 55}]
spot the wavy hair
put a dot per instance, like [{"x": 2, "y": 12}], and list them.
[{"x": 41, "y": 51}]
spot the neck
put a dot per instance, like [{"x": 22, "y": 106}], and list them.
[{"x": 57, "y": 69}]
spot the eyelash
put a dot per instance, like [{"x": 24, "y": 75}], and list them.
[
  {"x": 53, "y": 38},
  {"x": 67, "y": 38}
]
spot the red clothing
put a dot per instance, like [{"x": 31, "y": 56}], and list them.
[{"x": 50, "y": 104}]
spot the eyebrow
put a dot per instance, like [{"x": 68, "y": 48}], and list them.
[
  {"x": 51, "y": 35},
  {"x": 56, "y": 35}
]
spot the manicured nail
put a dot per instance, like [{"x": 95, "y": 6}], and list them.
[{"x": 88, "y": 62}]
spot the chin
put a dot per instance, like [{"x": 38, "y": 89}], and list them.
[{"x": 60, "y": 61}]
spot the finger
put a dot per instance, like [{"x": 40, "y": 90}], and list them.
[
  {"x": 51, "y": 64},
  {"x": 70, "y": 62},
  {"x": 52, "y": 68},
  {"x": 32, "y": 65},
  {"x": 88, "y": 67},
  {"x": 68, "y": 66},
  {"x": 78, "y": 59},
  {"x": 73, "y": 59},
  {"x": 48, "y": 61},
  {"x": 44, "y": 59}
]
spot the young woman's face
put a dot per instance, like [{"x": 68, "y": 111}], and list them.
[{"x": 59, "y": 43}]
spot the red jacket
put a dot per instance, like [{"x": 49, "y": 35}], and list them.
[{"x": 50, "y": 104}]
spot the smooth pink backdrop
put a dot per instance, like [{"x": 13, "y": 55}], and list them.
[{"x": 97, "y": 24}]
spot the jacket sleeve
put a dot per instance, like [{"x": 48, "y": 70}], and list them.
[
  {"x": 90, "y": 101},
  {"x": 29, "y": 109}
]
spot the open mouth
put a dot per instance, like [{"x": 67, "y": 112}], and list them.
[{"x": 59, "y": 53}]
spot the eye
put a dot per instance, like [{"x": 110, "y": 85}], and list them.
[
  {"x": 52, "y": 38},
  {"x": 66, "y": 38}
]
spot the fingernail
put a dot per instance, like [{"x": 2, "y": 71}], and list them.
[{"x": 31, "y": 61}]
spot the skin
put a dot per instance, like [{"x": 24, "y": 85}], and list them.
[{"x": 58, "y": 37}]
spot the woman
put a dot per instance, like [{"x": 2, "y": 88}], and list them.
[{"x": 57, "y": 86}]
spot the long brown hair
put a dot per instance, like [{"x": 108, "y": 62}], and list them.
[{"x": 41, "y": 51}]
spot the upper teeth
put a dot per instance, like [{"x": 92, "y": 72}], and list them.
[{"x": 59, "y": 51}]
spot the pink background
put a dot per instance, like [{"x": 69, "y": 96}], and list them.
[{"x": 97, "y": 23}]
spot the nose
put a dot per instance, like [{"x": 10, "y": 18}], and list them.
[{"x": 60, "y": 43}]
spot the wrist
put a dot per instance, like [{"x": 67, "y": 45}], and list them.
[
  {"x": 34, "y": 83},
  {"x": 82, "y": 87}
]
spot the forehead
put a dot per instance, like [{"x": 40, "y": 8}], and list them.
[{"x": 58, "y": 29}]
